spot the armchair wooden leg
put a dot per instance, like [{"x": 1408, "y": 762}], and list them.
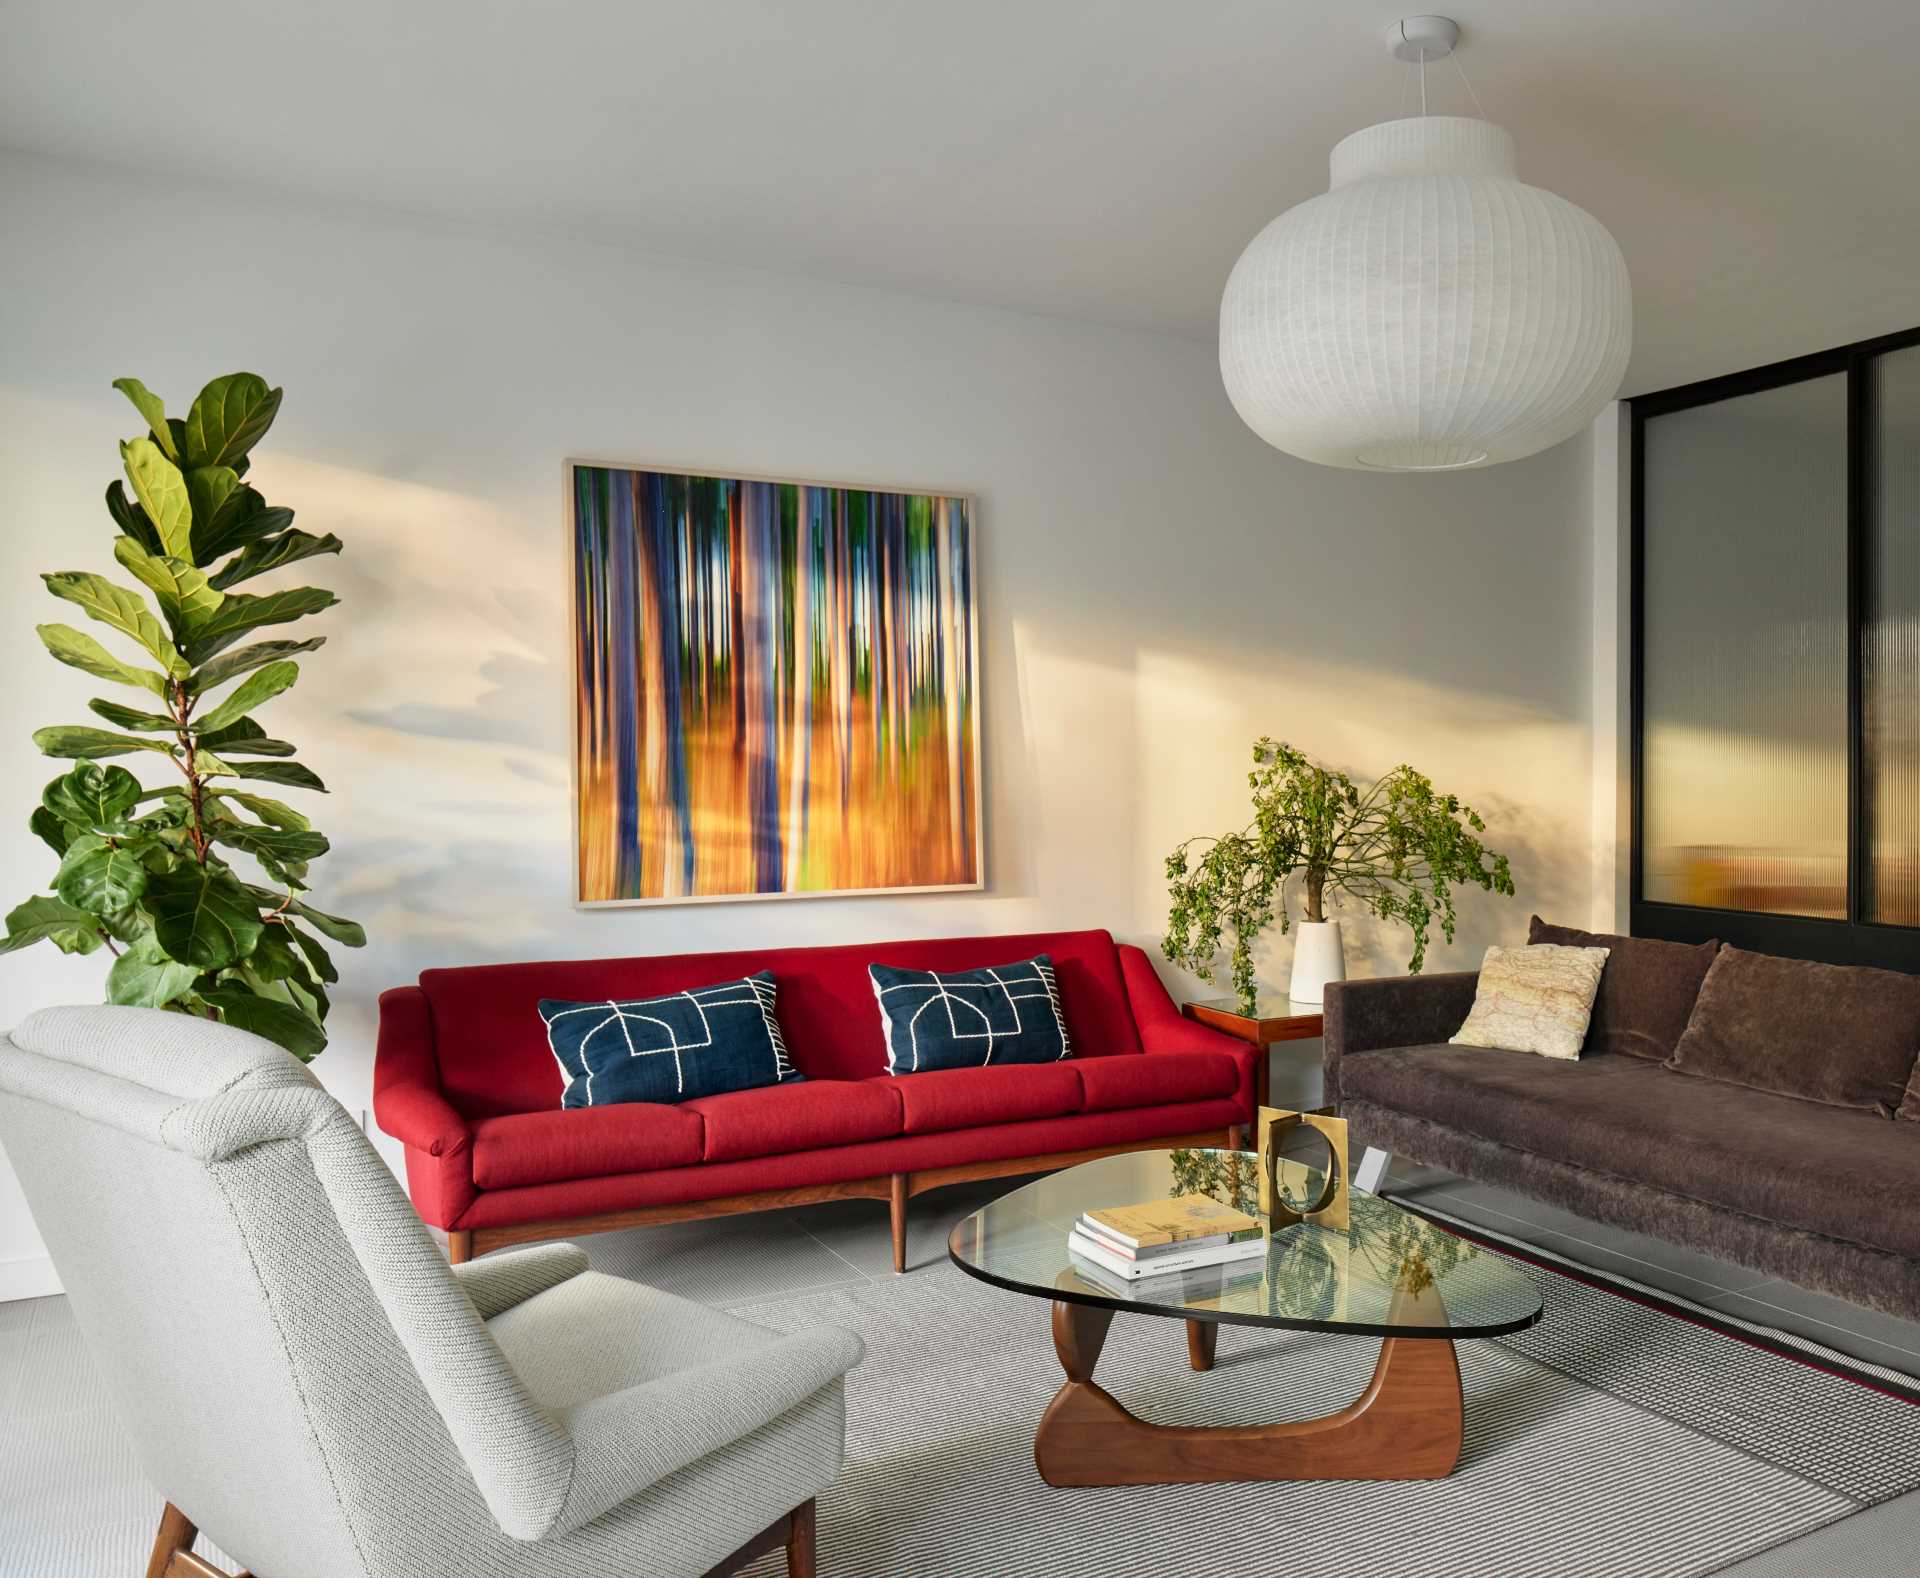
[
  {"x": 800, "y": 1542},
  {"x": 898, "y": 1207},
  {"x": 459, "y": 1247},
  {"x": 173, "y": 1550},
  {"x": 177, "y": 1533}
]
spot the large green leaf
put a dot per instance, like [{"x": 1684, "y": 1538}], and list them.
[
  {"x": 77, "y": 742},
  {"x": 349, "y": 933},
  {"x": 281, "y": 853},
  {"x": 222, "y": 669},
  {"x": 128, "y": 925},
  {"x": 247, "y": 519},
  {"x": 182, "y": 592},
  {"x": 280, "y": 1023},
  {"x": 279, "y": 842},
  {"x": 131, "y": 519},
  {"x": 144, "y": 977},
  {"x": 132, "y": 717},
  {"x": 261, "y": 686},
  {"x": 274, "y": 957},
  {"x": 242, "y": 613},
  {"x": 229, "y": 417},
  {"x": 271, "y": 553},
  {"x": 308, "y": 995},
  {"x": 318, "y": 959},
  {"x": 203, "y": 915},
  {"x": 50, "y": 830},
  {"x": 153, "y": 410},
  {"x": 79, "y": 650},
  {"x": 273, "y": 812},
  {"x": 43, "y": 919},
  {"x": 219, "y": 499},
  {"x": 93, "y": 797},
  {"x": 244, "y": 737},
  {"x": 292, "y": 774},
  {"x": 162, "y": 493},
  {"x": 125, "y": 611},
  {"x": 99, "y": 876}
]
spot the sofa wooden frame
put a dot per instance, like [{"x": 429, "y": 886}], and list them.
[{"x": 895, "y": 1188}]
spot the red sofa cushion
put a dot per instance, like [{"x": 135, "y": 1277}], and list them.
[
  {"x": 973, "y": 1098},
  {"x": 1156, "y": 1079},
  {"x": 586, "y": 1142},
  {"x": 808, "y": 1116},
  {"x": 492, "y": 1049},
  {"x": 907, "y": 1153}
]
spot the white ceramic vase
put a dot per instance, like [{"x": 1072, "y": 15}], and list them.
[{"x": 1317, "y": 959}]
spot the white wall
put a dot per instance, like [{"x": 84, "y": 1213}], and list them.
[{"x": 1158, "y": 586}]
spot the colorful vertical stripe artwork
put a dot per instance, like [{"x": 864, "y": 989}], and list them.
[{"x": 774, "y": 688}]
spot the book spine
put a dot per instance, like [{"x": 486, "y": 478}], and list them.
[
  {"x": 1187, "y": 1261},
  {"x": 1106, "y": 1237}
]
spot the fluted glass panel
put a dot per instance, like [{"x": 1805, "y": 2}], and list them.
[
  {"x": 1890, "y": 660},
  {"x": 1744, "y": 738}
]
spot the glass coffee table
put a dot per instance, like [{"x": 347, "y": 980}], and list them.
[{"x": 1389, "y": 1274}]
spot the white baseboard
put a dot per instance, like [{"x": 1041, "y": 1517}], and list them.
[{"x": 31, "y": 1278}]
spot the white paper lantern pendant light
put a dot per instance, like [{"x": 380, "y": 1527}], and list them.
[{"x": 1431, "y": 311}]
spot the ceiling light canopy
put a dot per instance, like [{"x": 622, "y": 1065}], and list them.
[{"x": 1431, "y": 311}]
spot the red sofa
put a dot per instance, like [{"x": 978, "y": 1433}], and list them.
[{"x": 463, "y": 1076}]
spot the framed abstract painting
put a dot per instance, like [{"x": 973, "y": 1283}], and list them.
[{"x": 776, "y": 688}]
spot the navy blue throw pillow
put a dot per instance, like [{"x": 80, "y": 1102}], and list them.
[
  {"x": 695, "y": 1043},
  {"x": 1006, "y": 1013}
]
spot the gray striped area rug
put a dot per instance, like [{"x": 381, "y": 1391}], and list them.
[{"x": 1612, "y": 1440}]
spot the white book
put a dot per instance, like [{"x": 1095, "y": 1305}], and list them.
[
  {"x": 1106, "y": 1239},
  {"x": 1199, "y": 1282},
  {"x": 1134, "y": 1270}
]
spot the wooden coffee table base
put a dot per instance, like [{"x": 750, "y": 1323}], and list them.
[{"x": 1405, "y": 1425}]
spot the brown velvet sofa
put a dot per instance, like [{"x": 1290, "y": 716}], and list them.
[{"x": 1825, "y": 1196}]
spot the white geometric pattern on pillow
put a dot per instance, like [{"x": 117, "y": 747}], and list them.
[
  {"x": 1534, "y": 999},
  {"x": 965, "y": 1009},
  {"x": 656, "y": 1035}
]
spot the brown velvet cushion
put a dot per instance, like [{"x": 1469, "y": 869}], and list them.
[
  {"x": 1646, "y": 991},
  {"x": 1844, "y": 1174},
  {"x": 1840, "y": 1034}
]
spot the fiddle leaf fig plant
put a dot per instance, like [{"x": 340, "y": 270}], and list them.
[
  {"x": 1398, "y": 847},
  {"x": 145, "y": 872}
]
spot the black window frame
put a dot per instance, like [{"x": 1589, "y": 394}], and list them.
[{"x": 1853, "y": 940}]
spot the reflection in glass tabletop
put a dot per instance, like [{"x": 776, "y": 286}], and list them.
[{"x": 1390, "y": 1273}]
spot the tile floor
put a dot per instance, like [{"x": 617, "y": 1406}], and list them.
[{"x": 73, "y": 1501}]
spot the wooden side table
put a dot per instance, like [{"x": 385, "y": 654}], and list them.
[{"x": 1273, "y": 1020}]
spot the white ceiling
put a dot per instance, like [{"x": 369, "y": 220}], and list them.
[{"x": 1102, "y": 159}]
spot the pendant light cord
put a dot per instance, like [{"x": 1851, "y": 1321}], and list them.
[
  {"x": 1466, "y": 81},
  {"x": 1455, "y": 58}
]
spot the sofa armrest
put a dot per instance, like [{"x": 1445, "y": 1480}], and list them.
[
  {"x": 409, "y": 1104},
  {"x": 1392, "y": 1011},
  {"x": 499, "y": 1282},
  {"x": 1163, "y": 1028},
  {"x": 631, "y": 1439}
]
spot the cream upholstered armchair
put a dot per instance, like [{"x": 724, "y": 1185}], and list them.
[{"x": 304, "y": 1375}]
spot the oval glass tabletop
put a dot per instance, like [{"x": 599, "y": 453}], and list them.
[{"x": 1389, "y": 1273}]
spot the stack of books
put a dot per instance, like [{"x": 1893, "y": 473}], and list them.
[{"x": 1190, "y": 1232}]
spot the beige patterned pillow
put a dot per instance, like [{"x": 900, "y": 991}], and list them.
[{"x": 1535, "y": 999}]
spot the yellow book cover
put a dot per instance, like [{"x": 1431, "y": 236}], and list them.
[{"x": 1156, "y": 1222}]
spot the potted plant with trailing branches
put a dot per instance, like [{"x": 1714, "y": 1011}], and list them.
[
  {"x": 145, "y": 872},
  {"x": 1398, "y": 847}
]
